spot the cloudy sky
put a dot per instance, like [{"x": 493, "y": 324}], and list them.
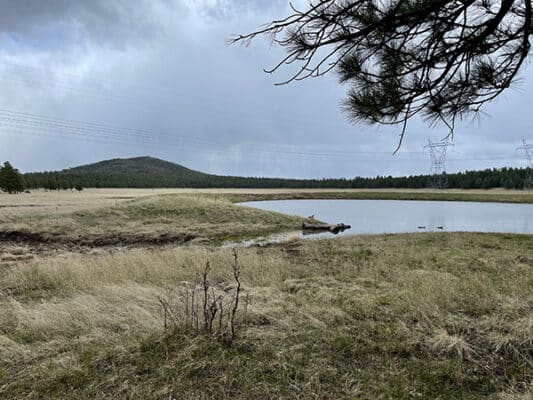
[{"x": 83, "y": 81}]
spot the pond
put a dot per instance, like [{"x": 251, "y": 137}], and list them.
[{"x": 400, "y": 216}]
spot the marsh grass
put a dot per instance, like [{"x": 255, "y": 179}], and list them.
[
  {"x": 153, "y": 220},
  {"x": 442, "y": 315},
  {"x": 140, "y": 217}
]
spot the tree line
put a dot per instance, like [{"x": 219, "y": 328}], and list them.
[
  {"x": 509, "y": 178},
  {"x": 12, "y": 181}
]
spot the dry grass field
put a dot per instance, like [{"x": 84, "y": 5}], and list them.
[
  {"x": 433, "y": 315},
  {"x": 60, "y": 202},
  {"x": 428, "y": 316},
  {"x": 39, "y": 201},
  {"x": 151, "y": 221}
]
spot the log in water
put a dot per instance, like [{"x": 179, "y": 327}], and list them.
[{"x": 333, "y": 228}]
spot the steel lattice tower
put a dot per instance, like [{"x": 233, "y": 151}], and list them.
[
  {"x": 437, "y": 151},
  {"x": 527, "y": 150}
]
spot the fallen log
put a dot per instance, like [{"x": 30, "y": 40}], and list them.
[{"x": 333, "y": 228}]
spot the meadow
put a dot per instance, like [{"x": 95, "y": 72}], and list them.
[
  {"x": 432, "y": 315},
  {"x": 59, "y": 202}
]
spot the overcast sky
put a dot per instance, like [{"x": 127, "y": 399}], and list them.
[{"x": 82, "y": 81}]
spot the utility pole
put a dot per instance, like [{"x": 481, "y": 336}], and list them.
[
  {"x": 437, "y": 175},
  {"x": 527, "y": 150}
]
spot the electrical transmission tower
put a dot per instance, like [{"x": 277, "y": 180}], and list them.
[
  {"x": 527, "y": 150},
  {"x": 437, "y": 175}
]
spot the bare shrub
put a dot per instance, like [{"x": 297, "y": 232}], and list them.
[{"x": 204, "y": 307}]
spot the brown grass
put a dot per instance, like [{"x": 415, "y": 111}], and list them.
[
  {"x": 166, "y": 219},
  {"x": 40, "y": 202},
  {"x": 444, "y": 315},
  {"x": 396, "y": 316}
]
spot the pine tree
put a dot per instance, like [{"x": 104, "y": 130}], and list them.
[{"x": 11, "y": 180}]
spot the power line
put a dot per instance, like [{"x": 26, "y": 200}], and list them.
[
  {"x": 41, "y": 125},
  {"x": 107, "y": 90},
  {"x": 44, "y": 125},
  {"x": 27, "y": 127},
  {"x": 172, "y": 101}
]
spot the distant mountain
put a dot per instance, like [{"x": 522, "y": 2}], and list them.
[
  {"x": 143, "y": 165},
  {"x": 149, "y": 172},
  {"x": 143, "y": 172}
]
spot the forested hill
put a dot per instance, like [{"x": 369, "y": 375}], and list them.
[
  {"x": 120, "y": 172},
  {"x": 148, "y": 172}
]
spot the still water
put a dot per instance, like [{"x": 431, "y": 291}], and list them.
[{"x": 395, "y": 216}]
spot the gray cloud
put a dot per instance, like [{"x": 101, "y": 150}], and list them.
[
  {"x": 224, "y": 9},
  {"x": 115, "y": 23}
]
